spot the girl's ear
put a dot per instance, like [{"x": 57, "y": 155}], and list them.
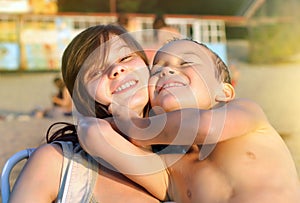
[{"x": 227, "y": 93}]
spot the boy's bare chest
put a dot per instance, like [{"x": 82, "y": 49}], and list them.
[
  {"x": 233, "y": 169},
  {"x": 193, "y": 180}
]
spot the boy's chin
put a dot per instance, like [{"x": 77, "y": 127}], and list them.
[{"x": 169, "y": 105}]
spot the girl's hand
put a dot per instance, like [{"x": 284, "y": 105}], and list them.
[
  {"x": 138, "y": 130},
  {"x": 122, "y": 119},
  {"x": 121, "y": 112}
]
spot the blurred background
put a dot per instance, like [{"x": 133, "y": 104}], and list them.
[{"x": 258, "y": 39}]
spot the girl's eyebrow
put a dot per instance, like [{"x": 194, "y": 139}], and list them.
[
  {"x": 124, "y": 49},
  {"x": 124, "y": 46}
]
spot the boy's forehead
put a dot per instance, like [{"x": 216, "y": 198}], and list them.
[{"x": 181, "y": 48}]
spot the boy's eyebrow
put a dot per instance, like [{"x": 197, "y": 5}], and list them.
[{"x": 190, "y": 53}]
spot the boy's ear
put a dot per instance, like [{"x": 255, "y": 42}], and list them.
[{"x": 228, "y": 93}]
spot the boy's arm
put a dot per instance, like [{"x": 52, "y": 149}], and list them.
[
  {"x": 195, "y": 126},
  {"x": 144, "y": 167}
]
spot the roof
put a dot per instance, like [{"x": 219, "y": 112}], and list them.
[
  {"x": 233, "y": 12},
  {"x": 245, "y": 8}
]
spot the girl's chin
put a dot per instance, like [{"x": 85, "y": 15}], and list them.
[{"x": 138, "y": 107}]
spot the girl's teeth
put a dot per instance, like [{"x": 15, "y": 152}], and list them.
[{"x": 126, "y": 85}]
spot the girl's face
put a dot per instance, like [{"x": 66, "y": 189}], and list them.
[{"x": 122, "y": 80}]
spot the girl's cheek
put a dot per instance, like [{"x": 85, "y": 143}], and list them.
[
  {"x": 98, "y": 91},
  {"x": 151, "y": 85},
  {"x": 92, "y": 88}
]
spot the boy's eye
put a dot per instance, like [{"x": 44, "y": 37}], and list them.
[
  {"x": 155, "y": 70},
  {"x": 185, "y": 63},
  {"x": 154, "y": 73}
]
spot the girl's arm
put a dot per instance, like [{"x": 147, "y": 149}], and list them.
[
  {"x": 98, "y": 138},
  {"x": 195, "y": 126},
  {"x": 39, "y": 179}
]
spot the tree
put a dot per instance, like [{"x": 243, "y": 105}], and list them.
[{"x": 274, "y": 32}]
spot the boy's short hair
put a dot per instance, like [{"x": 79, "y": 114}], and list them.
[
  {"x": 222, "y": 68},
  {"x": 223, "y": 72}
]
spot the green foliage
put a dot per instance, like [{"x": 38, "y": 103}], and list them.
[
  {"x": 196, "y": 7},
  {"x": 128, "y": 6},
  {"x": 273, "y": 43},
  {"x": 83, "y": 6}
]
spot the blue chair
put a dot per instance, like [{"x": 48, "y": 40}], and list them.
[{"x": 6, "y": 172}]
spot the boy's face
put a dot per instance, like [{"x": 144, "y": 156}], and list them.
[{"x": 183, "y": 76}]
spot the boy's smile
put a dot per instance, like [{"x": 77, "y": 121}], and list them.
[{"x": 168, "y": 84}]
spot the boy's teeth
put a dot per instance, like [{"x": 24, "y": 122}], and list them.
[
  {"x": 126, "y": 85},
  {"x": 173, "y": 85}
]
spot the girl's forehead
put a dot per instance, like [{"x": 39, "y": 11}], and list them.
[
  {"x": 116, "y": 41},
  {"x": 118, "y": 46},
  {"x": 122, "y": 43}
]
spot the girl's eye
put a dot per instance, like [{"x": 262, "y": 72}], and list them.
[
  {"x": 95, "y": 74},
  {"x": 126, "y": 58}
]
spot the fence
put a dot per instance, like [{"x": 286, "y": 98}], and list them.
[{"x": 36, "y": 42}]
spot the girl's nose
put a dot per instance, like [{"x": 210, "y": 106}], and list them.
[
  {"x": 116, "y": 71},
  {"x": 167, "y": 71}
]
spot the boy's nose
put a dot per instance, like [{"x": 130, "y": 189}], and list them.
[
  {"x": 167, "y": 71},
  {"x": 116, "y": 71}
]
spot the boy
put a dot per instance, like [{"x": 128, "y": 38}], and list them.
[{"x": 235, "y": 155}]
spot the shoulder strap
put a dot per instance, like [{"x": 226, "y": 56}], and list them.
[
  {"x": 79, "y": 174},
  {"x": 67, "y": 148}
]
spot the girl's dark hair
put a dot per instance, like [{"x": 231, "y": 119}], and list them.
[
  {"x": 66, "y": 133},
  {"x": 87, "y": 53}
]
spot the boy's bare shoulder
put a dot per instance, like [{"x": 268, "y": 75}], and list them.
[
  {"x": 249, "y": 106},
  {"x": 245, "y": 102}
]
